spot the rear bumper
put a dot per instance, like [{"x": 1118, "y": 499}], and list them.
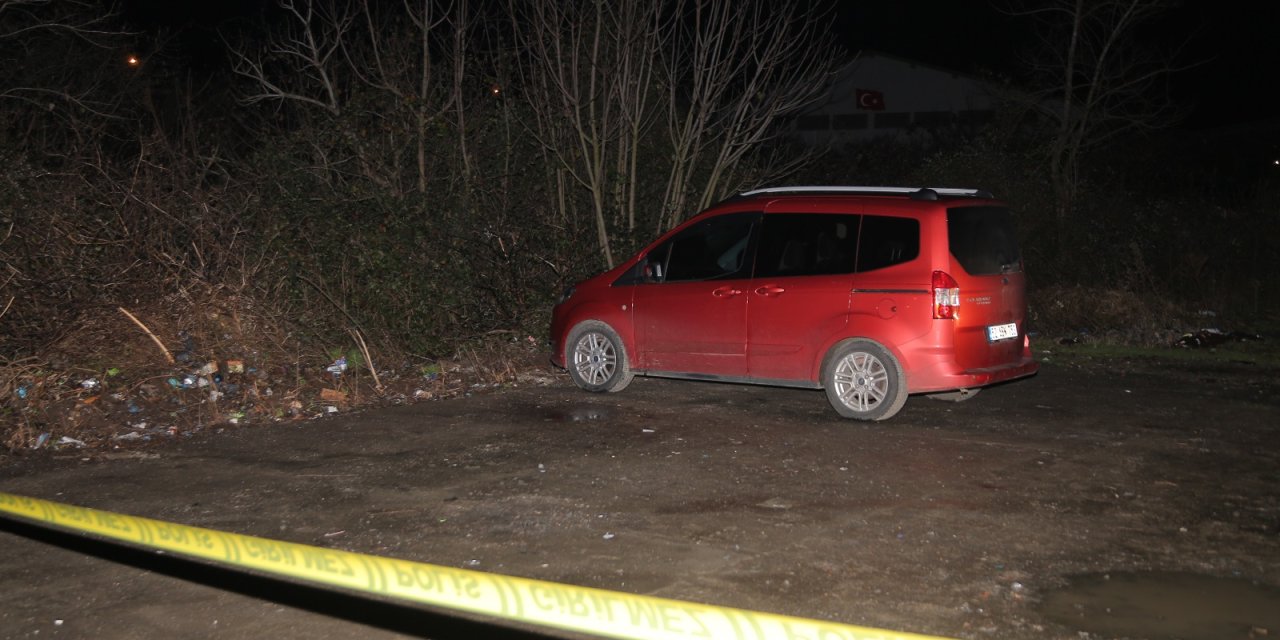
[{"x": 971, "y": 378}]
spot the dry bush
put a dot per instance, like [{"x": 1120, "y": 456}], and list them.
[
  {"x": 284, "y": 378},
  {"x": 503, "y": 358},
  {"x": 104, "y": 367},
  {"x": 1107, "y": 315}
]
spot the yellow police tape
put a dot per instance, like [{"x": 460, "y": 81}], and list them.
[{"x": 594, "y": 611}]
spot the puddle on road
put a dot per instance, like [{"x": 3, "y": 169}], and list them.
[
  {"x": 576, "y": 414},
  {"x": 1166, "y": 606}
]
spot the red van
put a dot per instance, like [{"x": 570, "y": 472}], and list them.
[{"x": 871, "y": 293}]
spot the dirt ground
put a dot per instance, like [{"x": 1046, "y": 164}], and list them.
[{"x": 951, "y": 519}]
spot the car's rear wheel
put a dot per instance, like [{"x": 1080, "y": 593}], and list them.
[
  {"x": 864, "y": 381},
  {"x": 596, "y": 358}
]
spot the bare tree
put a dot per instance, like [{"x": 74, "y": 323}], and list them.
[
  {"x": 1097, "y": 81},
  {"x": 404, "y": 65},
  {"x": 301, "y": 65},
  {"x": 748, "y": 64},
  {"x": 716, "y": 76},
  {"x": 589, "y": 83},
  {"x": 40, "y": 36},
  {"x": 332, "y": 55},
  {"x": 644, "y": 31},
  {"x": 84, "y": 20}
]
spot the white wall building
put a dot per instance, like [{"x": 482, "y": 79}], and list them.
[{"x": 879, "y": 95}]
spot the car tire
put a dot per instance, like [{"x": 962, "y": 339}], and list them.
[
  {"x": 596, "y": 358},
  {"x": 959, "y": 395},
  {"x": 864, "y": 381}
]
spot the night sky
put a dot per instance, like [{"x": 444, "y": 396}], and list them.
[{"x": 1233, "y": 53}]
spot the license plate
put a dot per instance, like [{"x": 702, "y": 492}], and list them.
[{"x": 997, "y": 332}]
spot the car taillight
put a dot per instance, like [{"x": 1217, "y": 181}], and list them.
[{"x": 946, "y": 296}]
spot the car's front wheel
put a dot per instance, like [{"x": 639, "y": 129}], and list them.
[
  {"x": 864, "y": 381},
  {"x": 596, "y": 358}
]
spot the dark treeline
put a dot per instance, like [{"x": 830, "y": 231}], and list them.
[{"x": 426, "y": 173}]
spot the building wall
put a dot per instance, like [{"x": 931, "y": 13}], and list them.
[{"x": 880, "y": 95}]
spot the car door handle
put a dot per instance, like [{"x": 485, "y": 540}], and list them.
[
  {"x": 769, "y": 290},
  {"x": 726, "y": 292}
]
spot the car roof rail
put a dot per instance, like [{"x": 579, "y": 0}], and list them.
[{"x": 915, "y": 193}]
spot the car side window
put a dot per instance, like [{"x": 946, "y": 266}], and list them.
[
  {"x": 712, "y": 249},
  {"x": 804, "y": 244},
  {"x": 886, "y": 241}
]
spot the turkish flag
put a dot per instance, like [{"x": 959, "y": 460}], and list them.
[{"x": 869, "y": 99}]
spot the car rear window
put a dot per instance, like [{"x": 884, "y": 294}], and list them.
[{"x": 983, "y": 240}]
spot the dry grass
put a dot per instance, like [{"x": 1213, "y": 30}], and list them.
[
  {"x": 502, "y": 358},
  {"x": 1108, "y": 316},
  {"x": 106, "y": 383}
]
